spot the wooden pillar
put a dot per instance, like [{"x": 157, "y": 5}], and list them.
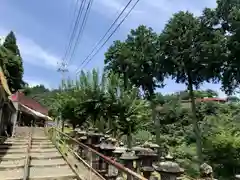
[{"x": 14, "y": 122}]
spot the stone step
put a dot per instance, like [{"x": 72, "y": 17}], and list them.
[
  {"x": 49, "y": 155},
  {"x": 43, "y": 146},
  {"x": 16, "y": 146},
  {"x": 13, "y": 150},
  {"x": 51, "y": 173},
  {"x": 47, "y": 162},
  {"x": 41, "y": 150},
  {"x": 12, "y": 164},
  {"x": 42, "y": 143},
  {"x": 13, "y": 156},
  {"x": 11, "y": 174},
  {"x": 40, "y": 138},
  {"x": 16, "y": 142}
]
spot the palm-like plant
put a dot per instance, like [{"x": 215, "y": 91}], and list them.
[
  {"x": 100, "y": 99},
  {"x": 134, "y": 113},
  {"x": 93, "y": 96}
]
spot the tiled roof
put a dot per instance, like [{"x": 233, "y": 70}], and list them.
[
  {"x": 212, "y": 99},
  {"x": 29, "y": 102},
  {"x": 206, "y": 99}
]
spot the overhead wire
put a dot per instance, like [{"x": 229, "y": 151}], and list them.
[
  {"x": 73, "y": 17},
  {"x": 109, "y": 29},
  {"x": 75, "y": 27},
  {"x": 82, "y": 27},
  {"x": 88, "y": 60}
]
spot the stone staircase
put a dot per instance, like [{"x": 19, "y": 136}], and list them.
[{"x": 45, "y": 162}]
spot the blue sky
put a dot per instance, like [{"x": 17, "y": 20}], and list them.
[{"x": 42, "y": 29}]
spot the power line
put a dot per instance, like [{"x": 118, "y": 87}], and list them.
[
  {"x": 73, "y": 17},
  {"x": 85, "y": 18},
  {"x": 78, "y": 18},
  {"x": 88, "y": 60},
  {"x": 109, "y": 29}
]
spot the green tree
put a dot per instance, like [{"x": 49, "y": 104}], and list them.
[
  {"x": 117, "y": 60},
  {"x": 13, "y": 64},
  {"x": 227, "y": 15},
  {"x": 136, "y": 59},
  {"x": 133, "y": 113},
  {"x": 93, "y": 96},
  {"x": 233, "y": 99},
  {"x": 143, "y": 46},
  {"x": 188, "y": 46}
]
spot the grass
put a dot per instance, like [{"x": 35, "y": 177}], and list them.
[{"x": 67, "y": 129}]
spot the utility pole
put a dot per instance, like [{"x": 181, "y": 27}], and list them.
[{"x": 62, "y": 69}]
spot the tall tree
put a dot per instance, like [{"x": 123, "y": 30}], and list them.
[
  {"x": 136, "y": 58},
  {"x": 117, "y": 60},
  {"x": 227, "y": 15},
  {"x": 13, "y": 64},
  {"x": 192, "y": 51},
  {"x": 143, "y": 46}
]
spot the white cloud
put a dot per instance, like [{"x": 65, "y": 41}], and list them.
[
  {"x": 34, "y": 54},
  {"x": 153, "y": 13},
  {"x": 110, "y": 7}
]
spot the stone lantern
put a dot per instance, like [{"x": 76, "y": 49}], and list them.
[
  {"x": 80, "y": 134},
  {"x": 153, "y": 146},
  {"x": 128, "y": 158},
  {"x": 117, "y": 154},
  {"x": 82, "y": 151},
  {"x": 147, "y": 157},
  {"x": 168, "y": 169},
  {"x": 119, "y": 150},
  {"x": 137, "y": 150},
  {"x": 107, "y": 147},
  {"x": 101, "y": 165},
  {"x": 93, "y": 138},
  {"x": 110, "y": 146},
  {"x": 206, "y": 172},
  {"x": 112, "y": 172}
]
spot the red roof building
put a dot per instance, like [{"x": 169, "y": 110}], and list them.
[
  {"x": 212, "y": 99},
  {"x": 29, "y": 102}
]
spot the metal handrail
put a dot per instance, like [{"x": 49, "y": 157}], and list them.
[
  {"x": 84, "y": 162},
  {"x": 107, "y": 159},
  {"x": 27, "y": 160}
]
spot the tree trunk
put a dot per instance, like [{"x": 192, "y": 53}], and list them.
[
  {"x": 125, "y": 80},
  {"x": 196, "y": 128},
  {"x": 62, "y": 122},
  {"x": 157, "y": 127},
  {"x": 129, "y": 138}
]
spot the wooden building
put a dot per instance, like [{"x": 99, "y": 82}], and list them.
[
  {"x": 29, "y": 111},
  {"x": 7, "y": 109}
]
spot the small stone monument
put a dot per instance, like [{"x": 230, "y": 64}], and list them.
[
  {"x": 206, "y": 172},
  {"x": 137, "y": 150},
  {"x": 147, "y": 156},
  {"x": 128, "y": 158},
  {"x": 168, "y": 169}
]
